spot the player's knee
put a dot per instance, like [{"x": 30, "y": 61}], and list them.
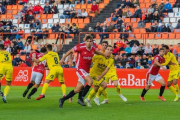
[
  {"x": 168, "y": 85},
  {"x": 90, "y": 83},
  {"x": 8, "y": 83},
  {"x": 163, "y": 84},
  {"x": 77, "y": 90}
]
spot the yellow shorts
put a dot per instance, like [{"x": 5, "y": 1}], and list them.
[
  {"x": 95, "y": 82},
  {"x": 7, "y": 72},
  {"x": 110, "y": 76},
  {"x": 174, "y": 75},
  {"x": 55, "y": 72}
]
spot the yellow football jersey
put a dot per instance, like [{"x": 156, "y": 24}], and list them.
[
  {"x": 52, "y": 59},
  {"x": 5, "y": 59},
  {"x": 100, "y": 64},
  {"x": 169, "y": 57}
]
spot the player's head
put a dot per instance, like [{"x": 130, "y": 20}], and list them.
[
  {"x": 43, "y": 50},
  {"x": 1, "y": 47},
  {"x": 109, "y": 50},
  {"x": 88, "y": 41},
  {"x": 166, "y": 48},
  {"x": 49, "y": 47},
  {"x": 104, "y": 45},
  {"x": 161, "y": 52}
]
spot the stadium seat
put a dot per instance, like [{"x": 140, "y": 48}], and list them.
[
  {"x": 80, "y": 20},
  {"x": 50, "y": 26},
  {"x": 56, "y": 20},
  {"x": 26, "y": 26},
  {"x": 170, "y": 15},
  {"x": 172, "y": 19},
  {"x": 15, "y": 21},
  {"x": 151, "y": 36},
  {"x": 66, "y": 5},
  {"x": 176, "y": 30},
  {"x": 60, "y": 6},
  {"x": 134, "y": 20},
  {"x": 42, "y": 2},
  {"x": 62, "y": 20},
  {"x": 171, "y": 36},
  {"x": 166, "y": 20},
  {"x": 158, "y": 36},
  {"x": 45, "y": 26},
  {"x": 164, "y": 36},
  {"x": 49, "y": 16},
  {"x": 175, "y": 9},
  {"x": 27, "y": 31},
  {"x": 50, "y": 21},
  {"x": 55, "y": 16}
]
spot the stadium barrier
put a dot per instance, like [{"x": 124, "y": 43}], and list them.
[{"x": 128, "y": 78}]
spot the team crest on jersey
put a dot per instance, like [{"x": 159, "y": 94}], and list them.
[
  {"x": 92, "y": 52},
  {"x": 85, "y": 52}
]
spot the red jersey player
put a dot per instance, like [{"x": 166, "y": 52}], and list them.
[
  {"x": 83, "y": 63},
  {"x": 36, "y": 75},
  {"x": 153, "y": 74}
]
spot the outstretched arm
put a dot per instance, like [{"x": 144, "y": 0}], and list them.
[{"x": 67, "y": 54}]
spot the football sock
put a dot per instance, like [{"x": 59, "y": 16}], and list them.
[
  {"x": 71, "y": 94},
  {"x": 173, "y": 90},
  {"x": 0, "y": 85},
  {"x": 85, "y": 91},
  {"x": 6, "y": 90},
  {"x": 99, "y": 92},
  {"x": 91, "y": 94},
  {"x": 104, "y": 93},
  {"x": 29, "y": 86},
  {"x": 34, "y": 90},
  {"x": 45, "y": 87},
  {"x": 177, "y": 89},
  {"x": 63, "y": 88},
  {"x": 80, "y": 94},
  {"x": 161, "y": 90},
  {"x": 118, "y": 89},
  {"x": 143, "y": 92}
]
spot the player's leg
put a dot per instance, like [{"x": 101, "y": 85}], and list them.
[
  {"x": 33, "y": 77},
  {"x": 78, "y": 88},
  {"x": 1, "y": 93},
  {"x": 1, "y": 76},
  {"x": 37, "y": 83},
  {"x": 63, "y": 88},
  {"x": 118, "y": 89},
  {"x": 161, "y": 81},
  {"x": 61, "y": 80},
  {"x": 91, "y": 95},
  {"x": 89, "y": 81},
  {"x": 175, "y": 82}
]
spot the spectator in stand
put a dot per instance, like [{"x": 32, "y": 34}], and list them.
[
  {"x": 115, "y": 50},
  {"x": 170, "y": 28},
  {"x": 135, "y": 3},
  {"x": 94, "y": 8},
  {"x": 178, "y": 25},
  {"x": 23, "y": 19},
  {"x": 53, "y": 28},
  {"x": 114, "y": 18},
  {"x": 19, "y": 14},
  {"x": 45, "y": 35},
  {"x": 20, "y": 34},
  {"x": 27, "y": 49},
  {"x": 161, "y": 6},
  {"x": 162, "y": 28},
  {"x": 60, "y": 36},
  {"x": 24, "y": 9},
  {"x": 54, "y": 9},
  {"x": 134, "y": 41},
  {"x": 117, "y": 58},
  {"x": 13, "y": 35},
  {"x": 150, "y": 12},
  {"x": 167, "y": 7},
  {"x": 1, "y": 42},
  {"x": 30, "y": 18},
  {"x": 118, "y": 65},
  {"x": 20, "y": 44},
  {"x": 97, "y": 28},
  {"x": 124, "y": 60},
  {"x": 154, "y": 4},
  {"x": 132, "y": 61},
  {"x": 119, "y": 22},
  {"x": 62, "y": 1},
  {"x": 102, "y": 36},
  {"x": 66, "y": 14},
  {"x": 2, "y": 9},
  {"x": 128, "y": 28},
  {"x": 150, "y": 59},
  {"x": 144, "y": 61},
  {"x": 75, "y": 29},
  {"x": 54, "y": 49},
  {"x": 67, "y": 30},
  {"x": 22, "y": 2},
  {"x": 7, "y": 42},
  {"x": 13, "y": 49},
  {"x": 111, "y": 27},
  {"x": 121, "y": 4},
  {"x": 156, "y": 17},
  {"x": 16, "y": 60},
  {"x": 128, "y": 4},
  {"x": 124, "y": 15},
  {"x": 137, "y": 13},
  {"x": 148, "y": 50},
  {"x": 172, "y": 50},
  {"x": 155, "y": 50},
  {"x": 128, "y": 50},
  {"x": 83, "y": 14},
  {"x": 37, "y": 9},
  {"x": 134, "y": 49},
  {"x": 139, "y": 66},
  {"x": 73, "y": 12},
  {"x": 119, "y": 13},
  {"x": 154, "y": 27},
  {"x": 177, "y": 4},
  {"x": 38, "y": 24},
  {"x": 47, "y": 8},
  {"x": 120, "y": 45},
  {"x": 51, "y": 1},
  {"x": 8, "y": 49},
  {"x": 129, "y": 14}
]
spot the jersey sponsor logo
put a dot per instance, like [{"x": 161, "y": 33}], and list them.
[
  {"x": 88, "y": 58},
  {"x": 22, "y": 76}
]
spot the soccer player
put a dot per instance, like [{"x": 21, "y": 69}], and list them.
[
  {"x": 37, "y": 74},
  {"x": 83, "y": 63},
  {"x": 100, "y": 67},
  {"x": 174, "y": 73},
  {"x": 6, "y": 70},
  {"x": 110, "y": 75},
  {"x": 153, "y": 74},
  {"x": 55, "y": 68}
]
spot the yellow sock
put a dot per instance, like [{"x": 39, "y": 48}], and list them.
[
  {"x": 99, "y": 92},
  {"x": 177, "y": 89},
  {"x": 91, "y": 94},
  {"x": 118, "y": 89},
  {"x": 6, "y": 90},
  {"x": 45, "y": 87},
  {"x": 104, "y": 93},
  {"x": 173, "y": 90},
  {"x": 63, "y": 88}
]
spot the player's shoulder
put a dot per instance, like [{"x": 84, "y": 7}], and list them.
[{"x": 4, "y": 52}]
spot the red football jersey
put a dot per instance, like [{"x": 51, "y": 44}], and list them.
[
  {"x": 155, "y": 69},
  {"x": 40, "y": 67},
  {"x": 84, "y": 57}
]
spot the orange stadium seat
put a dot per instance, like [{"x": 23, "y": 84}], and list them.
[
  {"x": 74, "y": 20},
  {"x": 3, "y": 16},
  {"x": 44, "y": 21},
  {"x": 142, "y": 30},
  {"x": 80, "y": 20},
  {"x": 78, "y": 6},
  {"x": 139, "y": 36},
  {"x": 81, "y": 25},
  {"x": 164, "y": 36},
  {"x": 14, "y": 12},
  {"x": 97, "y": 36},
  {"x": 38, "y": 16},
  {"x": 176, "y": 30},
  {"x": 117, "y": 36},
  {"x": 135, "y": 25},
  {"x": 34, "y": 47},
  {"x": 9, "y": 16},
  {"x": 43, "y": 16},
  {"x": 147, "y": 5},
  {"x": 136, "y": 30},
  {"x": 158, "y": 36},
  {"x": 131, "y": 36},
  {"x": 83, "y": 6},
  {"x": 108, "y": 20},
  {"x": 23, "y": 57},
  {"x": 68, "y": 20},
  {"x": 52, "y": 36},
  {"x": 151, "y": 36},
  {"x": 141, "y": 1},
  {"x": 89, "y": 6},
  {"x": 133, "y": 20},
  {"x": 171, "y": 36},
  {"x": 9, "y": 11},
  {"x": 101, "y": 6},
  {"x": 177, "y": 36},
  {"x": 142, "y": 5},
  {"x": 148, "y": 25},
  {"x": 106, "y": 1},
  {"x": 14, "y": 7},
  {"x": 111, "y": 36},
  {"x": 49, "y": 16},
  {"x": 127, "y": 20}
]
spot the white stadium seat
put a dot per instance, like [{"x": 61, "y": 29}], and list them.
[
  {"x": 15, "y": 21},
  {"x": 174, "y": 24},
  {"x": 172, "y": 19},
  {"x": 26, "y": 26},
  {"x": 166, "y": 20},
  {"x": 175, "y": 9},
  {"x": 42, "y": 2},
  {"x": 62, "y": 21},
  {"x": 44, "y": 26},
  {"x": 50, "y": 20},
  {"x": 60, "y": 7},
  {"x": 66, "y": 5},
  {"x": 21, "y": 25},
  {"x": 27, "y": 31},
  {"x": 56, "y": 20},
  {"x": 170, "y": 14},
  {"x": 55, "y": 16},
  {"x": 50, "y": 26},
  {"x": 177, "y": 14}
]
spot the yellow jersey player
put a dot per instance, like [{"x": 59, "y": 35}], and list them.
[
  {"x": 174, "y": 74},
  {"x": 56, "y": 71},
  {"x": 6, "y": 70},
  {"x": 100, "y": 67},
  {"x": 111, "y": 75}
]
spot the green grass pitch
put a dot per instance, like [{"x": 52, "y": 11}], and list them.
[{"x": 19, "y": 108}]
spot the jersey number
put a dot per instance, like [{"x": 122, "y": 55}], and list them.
[
  {"x": 56, "y": 60},
  {"x": 7, "y": 58}
]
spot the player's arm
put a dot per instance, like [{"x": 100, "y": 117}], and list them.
[
  {"x": 100, "y": 53},
  {"x": 158, "y": 64},
  {"x": 64, "y": 57},
  {"x": 103, "y": 73},
  {"x": 167, "y": 61}
]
